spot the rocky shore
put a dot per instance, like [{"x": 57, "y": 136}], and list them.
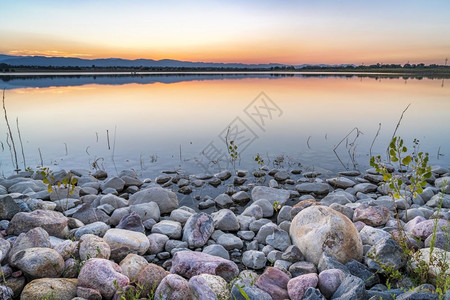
[{"x": 273, "y": 234}]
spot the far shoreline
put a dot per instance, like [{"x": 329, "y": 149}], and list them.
[{"x": 387, "y": 73}]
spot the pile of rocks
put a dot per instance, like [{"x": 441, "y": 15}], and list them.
[{"x": 300, "y": 237}]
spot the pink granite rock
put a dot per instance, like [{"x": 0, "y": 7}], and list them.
[
  {"x": 329, "y": 281},
  {"x": 297, "y": 286},
  {"x": 190, "y": 263},
  {"x": 173, "y": 286},
  {"x": 274, "y": 282},
  {"x": 150, "y": 277},
  {"x": 371, "y": 215},
  {"x": 100, "y": 274},
  {"x": 424, "y": 229}
]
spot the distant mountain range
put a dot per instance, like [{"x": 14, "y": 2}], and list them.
[{"x": 42, "y": 61}]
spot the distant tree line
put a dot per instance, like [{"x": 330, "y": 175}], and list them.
[{"x": 374, "y": 67}]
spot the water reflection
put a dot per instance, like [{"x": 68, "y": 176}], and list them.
[{"x": 152, "y": 121}]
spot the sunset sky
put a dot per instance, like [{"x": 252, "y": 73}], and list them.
[{"x": 290, "y": 32}]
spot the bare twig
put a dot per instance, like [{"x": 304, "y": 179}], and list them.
[
  {"x": 358, "y": 132},
  {"x": 10, "y": 134},
  {"x": 87, "y": 148},
  {"x": 67, "y": 152},
  {"x": 181, "y": 158},
  {"x": 21, "y": 144},
  {"x": 40, "y": 155},
  {"x": 10, "y": 150},
  {"x": 376, "y": 135},
  {"x": 96, "y": 134},
  {"x": 307, "y": 142},
  {"x": 107, "y": 138}
]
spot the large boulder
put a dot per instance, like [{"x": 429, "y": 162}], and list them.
[
  {"x": 55, "y": 223},
  {"x": 39, "y": 262},
  {"x": 102, "y": 275},
  {"x": 319, "y": 229},
  {"x": 123, "y": 242},
  {"x": 166, "y": 199},
  {"x": 191, "y": 263},
  {"x": 36, "y": 237},
  {"x": 50, "y": 288}
]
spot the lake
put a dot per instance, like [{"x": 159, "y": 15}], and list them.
[{"x": 157, "y": 122}]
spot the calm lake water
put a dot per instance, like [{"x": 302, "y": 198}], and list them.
[{"x": 154, "y": 123}]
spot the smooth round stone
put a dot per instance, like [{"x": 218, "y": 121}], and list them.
[
  {"x": 297, "y": 286},
  {"x": 230, "y": 241},
  {"x": 329, "y": 281},
  {"x": 173, "y": 286},
  {"x": 134, "y": 242},
  {"x": 92, "y": 246},
  {"x": 225, "y": 220},
  {"x": 170, "y": 228},
  {"x": 216, "y": 250},
  {"x": 319, "y": 229},
  {"x": 96, "y": 228},
  {"x": 59, "y": 288},
  {"x": 40, "y": 262},
  {"x": 301, "y": 268},
  {"x": 254, "y": 259}
]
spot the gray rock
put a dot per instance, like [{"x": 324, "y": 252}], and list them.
[
  {"x": 216, "y": 250},
  {"x": 371, "y": 236},
  {"x": 301, "y": 268},
  {"x": 316, "y": 188},
  {"x": 223, "y": 201},
  {"x": 206, "y": 204},
  {"x": 284, "y": 214},
  {"x": 359, "y": 270},
  {"x": 292, "y": 254},
  {"x": 341, "y": 182},
  {"x": 170, "y": 228},
  {"x": 166, "y": 199},
  {"x": 225, "y": 220},
  {"x": 253, "y": 211},
  {"x": 328, "y": 262},
  {"x": 256, "y": 225},
  {"x": 164, "y": 178},
  {"x": 132, "y": 222},
  {"x": 245, "y": 222},
  {"x": 365, "y": 188},
  {"x": 438, "y": 198},
  {"x": 351, "y": 288},
  {"x": 279, "y": 239},
  {"x": 146, "y": 211},
  {"x": 8, "y": 208},
  {"x": 339, "y": 197},
  {"x": 265, "y": 231},
  {"x": 53, "y": 222},
  {"x": 246, "y": 235},
  {"x": 273, "y": 255},
  {"x": 270, "y": 194},
  {"x": 116, "y": 183},
  {"x": 96, "y": 228},
  {"x": 180, "y": 215},
  {"x": 230, "y": 241},
  {"x": 313, "y": 294},
  {"x": 113, "y": 200},
  {"x": 281, "y": 176},
  {"x": 157, "y": 242},
  {"x": 40, "y": 262},
  {"x": 254, "y": 259},
  {"x": 266, "y": 206},
  {"x": 36, "y": 237},
  {"x": 223, "y": 175},
  {"x": 387, "y": 251},
  {"x": 240, "y": 197}
]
